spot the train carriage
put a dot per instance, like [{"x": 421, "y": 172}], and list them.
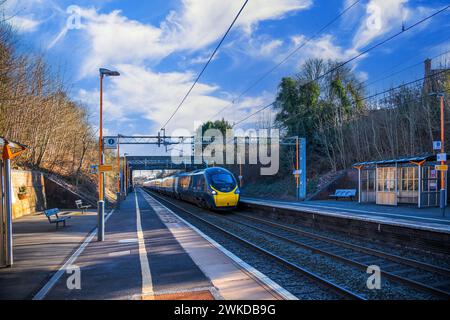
[{"x": 213, "y": 188}]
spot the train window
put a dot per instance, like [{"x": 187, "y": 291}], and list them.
[
  {"x": 198, "y": 183},
  {"x": 223, "y": 181},
  {"x": 184, "y": 182},
  {"x": 201, "y": 183}
]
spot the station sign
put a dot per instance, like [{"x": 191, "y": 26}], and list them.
[
  {"x": 110, "y": 143},
  {"x": 437, "y": 145},
  {"x": 441, "y": 157},
  {"x": 433, "y": 174},
  {"x": 441, "y": 167},
  {"x": 105, "y": 167}
]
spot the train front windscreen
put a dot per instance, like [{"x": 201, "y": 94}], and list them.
[{"x": 222, "y": 181}]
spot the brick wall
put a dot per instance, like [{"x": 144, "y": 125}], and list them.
[{"x": 34, "y": 199}]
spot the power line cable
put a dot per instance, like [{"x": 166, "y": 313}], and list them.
[
  {"x": 405, "y": 29},
  {"x": 365, "y": 84},
  {"x": 385, "y": 91},
  {"x": 206, "y": 65},
  {"x": 304, "y": 43},
  {"x": 399, "y": 71}
]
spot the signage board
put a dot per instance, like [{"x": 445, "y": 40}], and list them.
[
  {"x": 441, "y": 167},
  {"x": 110, "y": 143},
  {"x": 436, "y": 145},
  {"x": 93, "y": 169},
  {"x": 105, "y": 167},
  {"x": 433, "y": 174},
  {"x": 441, "y": 157}
]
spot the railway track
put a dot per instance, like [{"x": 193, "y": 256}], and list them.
[
  {"x": 413, "y": 273},
  {"x": 319, "y": 280},
  {"x": 424, "y": 277}
]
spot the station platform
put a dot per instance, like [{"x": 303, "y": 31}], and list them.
[
  {"x": 423, "y": 218},
  {"x": 423, "y": 229},
  {"x": 149, "y": 253}
]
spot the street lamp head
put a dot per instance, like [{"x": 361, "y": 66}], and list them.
[{"x": 109, "y": 73}]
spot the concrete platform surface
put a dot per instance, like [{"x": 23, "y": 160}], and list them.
[
  {"x": 402, "y": 215},
  {"x": 148, "y": 253},
  {"x": 231, "y": 277},
  {"x": 40, "y": 249}
]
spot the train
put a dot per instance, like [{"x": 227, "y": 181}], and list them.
[{"x": 212, "y": 188}]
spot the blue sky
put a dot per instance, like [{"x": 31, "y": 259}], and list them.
[{"x": 160, "y": 46}]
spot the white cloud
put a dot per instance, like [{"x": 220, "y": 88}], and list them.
[
  {"x": 263, "y": 47},
  {"x": 24, "y": 23},
  {"x": 362, "y": 76},
  {"x": 113, "y": 38},
  {"x": 383, "y": 16},
  {"x": 324, "y": 47},
  {"x": 150, "y": 97},
  {"x": 135, "y": 49},
  {"x": 200, "y": 23}
]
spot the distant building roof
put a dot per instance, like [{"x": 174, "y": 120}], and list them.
[{"x": 427, "y": 157}]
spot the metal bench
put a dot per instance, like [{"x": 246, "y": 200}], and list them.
[
  {"x": 52, "y": 216},
  {"x": 344, "y": 193},
  {"x": 81, "y": 206}
]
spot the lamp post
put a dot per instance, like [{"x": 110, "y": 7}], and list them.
[
  {"x": 125, "y": 174},
  {"x": 101, "y": 175},
  {"x": 442, "y": 197},
  {"x": 118, "y": 171}
]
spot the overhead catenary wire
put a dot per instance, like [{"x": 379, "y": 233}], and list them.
[
  {"x": 206, "y": 65},
  {"x": 293, "y": 52},
  {"x": 387, "y": 91},
  {"x": 365, "y": 84},
  {"x": 405, "y": 29}
]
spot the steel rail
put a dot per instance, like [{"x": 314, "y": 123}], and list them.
[
  {"x": 381, "y": 254},
  {"x": 412, "y": 283},
  {"x": 322, "y": 281}
]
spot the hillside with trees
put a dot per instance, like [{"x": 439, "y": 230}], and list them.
[
  {"x": 36, "y": 110},
  {"x": 342, "y": 126}
]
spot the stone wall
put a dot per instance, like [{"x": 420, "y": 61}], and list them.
[{"x": 34, "y": 198}]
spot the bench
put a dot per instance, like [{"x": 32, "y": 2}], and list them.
[
  {"x": 52, "y": 216},
  {"x": 82, "y": 207},
  {"x": 344, "y": 193}
]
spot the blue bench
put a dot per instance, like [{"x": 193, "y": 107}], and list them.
[
  {"x": 52, "y": 216},
  {"x": 344, "y": 193}
]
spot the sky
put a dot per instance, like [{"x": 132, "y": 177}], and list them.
[{"x": 159, "y": 47}]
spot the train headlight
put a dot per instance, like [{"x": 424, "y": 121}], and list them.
[{"x": 213, "y": 192}]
